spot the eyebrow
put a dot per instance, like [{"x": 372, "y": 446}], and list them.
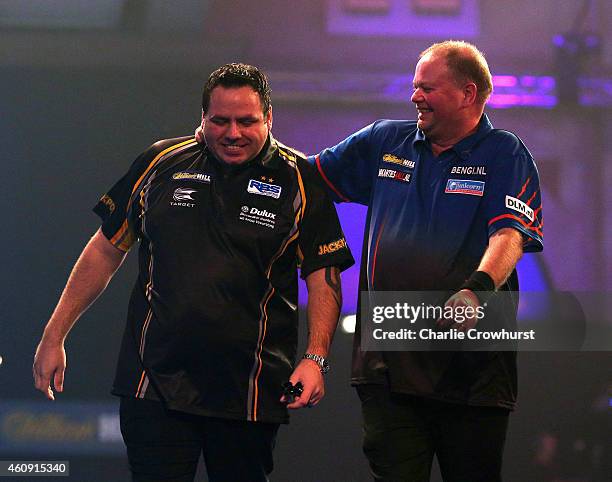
[{"x": 239, "y": 119}]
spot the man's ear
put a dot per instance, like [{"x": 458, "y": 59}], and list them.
[
  {"x": 470, "y": 94},
  {"x": 199, "y": 132},
  {"x": 269, "y": 119}
]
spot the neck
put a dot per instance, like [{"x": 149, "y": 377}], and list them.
[{"x": 440, "y": 145}]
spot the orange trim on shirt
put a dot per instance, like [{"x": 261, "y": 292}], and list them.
[
  {"x": 125, "y": 245},
  {"x": 535, "y": 217},
  {"x": 302, "y": 191},
  {"x": 516, "y": 218},
  {"x": 119, "y": 234},
  {"x": 157, "y": 157},
  {"x": 142, "y": 378},
  {"x": 523, "y": 188},
  {"x": 531, "y": 198},
  {"x": 260, "y": 348},
  {"x": 376, "y": 252}
]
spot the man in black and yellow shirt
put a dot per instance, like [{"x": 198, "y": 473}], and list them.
[{"x": 212, "y": 324}]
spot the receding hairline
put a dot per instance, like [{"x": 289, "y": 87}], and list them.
[
  {"x": 451, "y": 50},
  {"x": 461, "y": 47}
]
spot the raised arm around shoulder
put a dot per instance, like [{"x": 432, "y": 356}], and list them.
[{"x": 93, "y": 270}]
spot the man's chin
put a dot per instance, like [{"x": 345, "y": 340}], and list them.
[
  {"x": 424, "y": 126},
  {"x": 231, "y": 158}
]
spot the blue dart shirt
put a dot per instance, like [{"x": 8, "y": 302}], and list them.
[{"x": 428, "y": 224}]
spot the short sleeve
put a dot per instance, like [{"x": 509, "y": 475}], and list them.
[
  {"x": 348, "y": 168},
  {"x": 113, "y": 207},
  {"x": 513, "y": 197},
  {"x": 321, "y": 241}
]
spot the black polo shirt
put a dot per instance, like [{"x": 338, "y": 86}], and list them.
[{"x": 212, "y": 320}]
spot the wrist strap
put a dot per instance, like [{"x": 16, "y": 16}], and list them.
[{"x": 481, "y": 284}]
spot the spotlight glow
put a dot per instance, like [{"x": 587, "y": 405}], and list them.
[{"x": 348, "y": 323}]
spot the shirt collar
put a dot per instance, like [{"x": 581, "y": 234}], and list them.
[
  {"x": 465, "y": 145},
  {"x": 419, "y": 137}
]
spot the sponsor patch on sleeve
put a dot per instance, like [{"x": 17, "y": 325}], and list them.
[
  {"x": 331, "y": 247},
  {"x": 264, "y": 189},
  {"x": 519, "y": 206},
  {"x": 108, "y": 202},
  {"x": 465, "y": 186}
]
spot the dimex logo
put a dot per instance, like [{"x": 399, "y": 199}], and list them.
[{"x": 264, "y": 189}]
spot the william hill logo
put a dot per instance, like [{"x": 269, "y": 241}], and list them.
[
  {"x": 398, "y": 160},
  {"x": 332, "y": 247},
  {"x": 192, "y": 176}
]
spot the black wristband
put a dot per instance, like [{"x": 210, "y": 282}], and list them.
[{"x": 481, "y": 284}]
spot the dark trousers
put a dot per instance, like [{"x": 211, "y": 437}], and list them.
[
  {"x": 402, "y": 433},
  {"x": 166, "y": 445}
]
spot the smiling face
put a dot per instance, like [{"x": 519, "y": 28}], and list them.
[
  {"x": 235, "y": 127},
  {"x": 438, "y": 98}
]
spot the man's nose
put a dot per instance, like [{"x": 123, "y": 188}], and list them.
[
  {"x": 233, "y": 131},
  {"x": 416, "y": 96}
]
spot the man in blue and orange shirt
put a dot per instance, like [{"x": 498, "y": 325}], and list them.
[{"x": 452, "y": 205}]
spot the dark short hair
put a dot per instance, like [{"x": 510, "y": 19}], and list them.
[
  {"x": 466, "y": 64},
  {"x": 238, "y": 75}
]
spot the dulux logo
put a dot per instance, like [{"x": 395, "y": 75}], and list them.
[
  {"x": 264, "y": 189},
  {"x": 263, "y": 213}
]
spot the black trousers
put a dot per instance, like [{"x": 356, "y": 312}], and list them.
[
  {"x": 402, "y": 434},
  {"x": 166, "y": 445}
]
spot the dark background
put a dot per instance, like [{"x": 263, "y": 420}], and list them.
[{"x": 79, "y": 103}]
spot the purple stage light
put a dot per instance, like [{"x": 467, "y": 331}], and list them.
[{"x": 504, "y": 81}]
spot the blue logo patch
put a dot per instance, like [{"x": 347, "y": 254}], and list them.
[
  {"x": 465, "y": 186},
  {"x": 264, "y": 189}
]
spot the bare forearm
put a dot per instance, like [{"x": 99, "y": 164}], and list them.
[
  {"x": 324, "y": 303},
  {"x": 88, "y": 279},
  {"x": 504, "y": 251}
]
